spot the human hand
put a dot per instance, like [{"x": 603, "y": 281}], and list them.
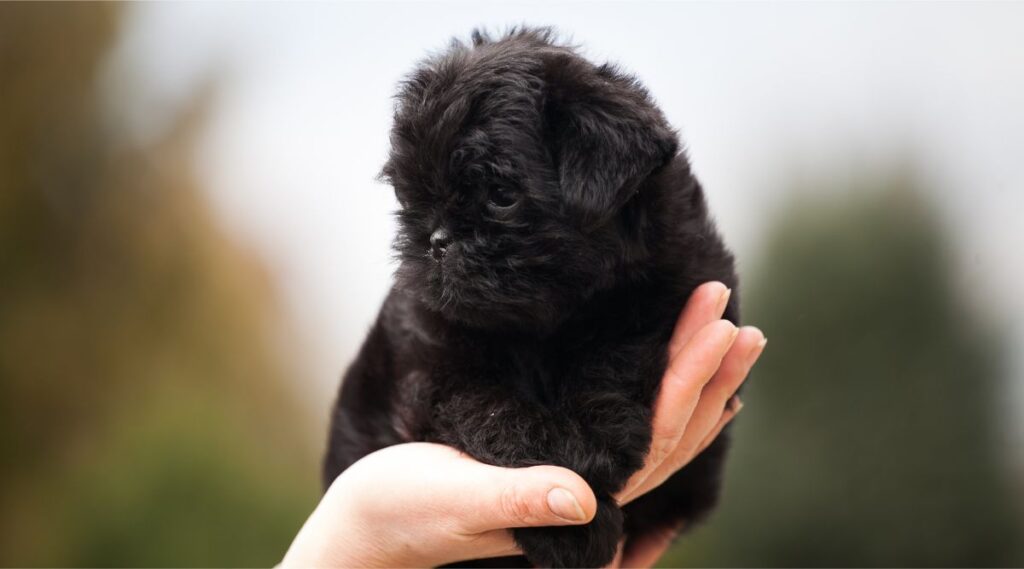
[
  {"x": 709, "y": 359},
  {"x": 421, "y": 504}
]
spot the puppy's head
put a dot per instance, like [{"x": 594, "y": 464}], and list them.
[{"x": 512, "y": 160}]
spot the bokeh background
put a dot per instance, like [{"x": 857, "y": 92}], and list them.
[{"x": 192, "y": 245}]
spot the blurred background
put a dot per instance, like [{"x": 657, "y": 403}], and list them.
[{"x": 192, "y": 246}]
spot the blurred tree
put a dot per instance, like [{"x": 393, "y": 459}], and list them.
[
  {"x": 145, "y": 416},
  {"x": 870, "y": 434}
]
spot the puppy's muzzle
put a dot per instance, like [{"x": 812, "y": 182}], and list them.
[{"x": 439, "y": 242}]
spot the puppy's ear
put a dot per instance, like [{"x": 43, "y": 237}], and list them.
[{"x": 604, "y": 134}]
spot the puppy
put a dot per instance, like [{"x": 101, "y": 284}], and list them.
[{"x": 550, "y": 232}]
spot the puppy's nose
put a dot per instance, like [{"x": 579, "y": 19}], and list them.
[{"x": 439, "y": 242}]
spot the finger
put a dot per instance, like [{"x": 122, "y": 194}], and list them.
[
  {"x": 735, "y": 405},
  {"x": 681, "y": 386},
  {"x": 617, "y": 560},
  {"x": 727, "y": 380},
  {"x": 493, "y": 543},
  {"x": 686, "y": 377},
  {"x": 647, "y": 549},
  {"x": 706, "y": 304},
  {"x": 711, "y": 406},
  {"x": 522, "y": 497}
]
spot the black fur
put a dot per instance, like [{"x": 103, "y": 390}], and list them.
[{"x": 535, "y": 332}]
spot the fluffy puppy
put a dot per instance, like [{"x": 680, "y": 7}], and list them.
[{"x": 550, "y": 232}]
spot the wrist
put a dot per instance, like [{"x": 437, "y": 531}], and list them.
[{"x": 335, "y": 535}]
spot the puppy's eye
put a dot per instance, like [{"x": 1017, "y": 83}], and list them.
[
  {"x": 403, "y": 199},
  {"x": 501, "y": 198}
]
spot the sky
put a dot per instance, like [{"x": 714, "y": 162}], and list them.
[{"x": 762, "y": 94}]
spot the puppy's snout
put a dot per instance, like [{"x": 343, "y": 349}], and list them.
[{"x": 439, "y": 242}]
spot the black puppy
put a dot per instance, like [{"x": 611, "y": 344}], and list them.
[{"x": 550, "y": 234}]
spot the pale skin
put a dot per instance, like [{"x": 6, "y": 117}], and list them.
[{"x": 423, "y": 504}]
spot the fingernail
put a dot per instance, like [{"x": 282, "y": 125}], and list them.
[
  {"x": 723, "y": 301},
  {"x": 736, "y": 404},
  {"x": 564, "y": 505},
  {"x": 756, "y": 350}
]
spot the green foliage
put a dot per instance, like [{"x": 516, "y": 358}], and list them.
[
  {"x": 145, "y": 416},
  {"x": 868, "y": 438}
]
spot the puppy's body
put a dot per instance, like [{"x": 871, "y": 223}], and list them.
[{"x": 550, "y": 235}]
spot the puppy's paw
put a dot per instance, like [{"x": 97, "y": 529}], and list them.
[{"x": 591, "y": 545}]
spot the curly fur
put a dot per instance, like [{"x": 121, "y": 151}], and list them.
[{"x": 537, "y": 333}]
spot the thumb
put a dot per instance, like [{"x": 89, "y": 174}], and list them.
[{"x": 526, "y": 497}]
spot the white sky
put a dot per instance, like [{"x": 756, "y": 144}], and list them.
[{"x": 761, "y": 92}]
